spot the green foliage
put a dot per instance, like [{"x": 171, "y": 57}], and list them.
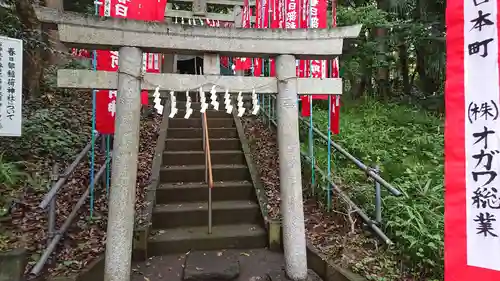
[
  {"x": 407, "y": 144},
  {"x": 10, "y": 176},
  {"x": 51, "y": 125},
  {"x": 10, "y": 25},
  {"x": 363, "y": 53},
  {"x": 48, "y": 132}
]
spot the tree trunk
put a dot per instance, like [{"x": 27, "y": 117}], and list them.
[
  {"x": 32, "y": 57},
  {"x": 383, "y": 71},
  {"x": 403, "y": 63},
  {"x": 54, "y": 55},
  {"x": 427, "y": 84}
]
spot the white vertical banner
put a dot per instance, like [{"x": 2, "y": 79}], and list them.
[
  {"x": 107, "y": 8},
  {"x": 482, "y": 133},
  {"x": 11, "y": 81}
]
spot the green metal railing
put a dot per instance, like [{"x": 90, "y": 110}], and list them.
[{"x": 325, "y": 179}]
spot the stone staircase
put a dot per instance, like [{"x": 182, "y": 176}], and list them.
[{"x": 180, "y": 216}]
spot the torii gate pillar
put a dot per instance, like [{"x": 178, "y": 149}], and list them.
[
  {"x": 124, "y": 176},
  {"x": 294, "y": 239}
]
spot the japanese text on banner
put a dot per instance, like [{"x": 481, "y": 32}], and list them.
[
  {"x": 317, "y": 19},
  {"x": 11, "y": 61},
  {"x": 292, "y": 17},
  {"x": 152, "y": 10},
  {"x": 482, "y": 142}
]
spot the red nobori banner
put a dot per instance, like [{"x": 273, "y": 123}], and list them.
[
  {"x": 292, "y": 14},
  {"x": 151, "y": 10},
  {"x": 257, "y": 62},
  {"x": 335, "y": 103},
  {"x": 317, "y": 18},
  {"x": 244, "y": 63},
  {"x": 472, "y": 141},
  {"x": 82, "y": 53}
]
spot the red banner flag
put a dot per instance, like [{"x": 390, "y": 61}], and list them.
[
  {"x": 244, "y": 63},
  {"x": 318, "y": 19},
  {"x": 257, "y": 62},
  {"x": 151, "y": 10},
  {"x": 314, "y": 15},
  {"x": 80, "y": 53},
  {"x": 277, "y": 21},
  {"x": 261, "y": 21},
  {"x": 471, "y": 141},
  {"x": 335, "y": 114},
  {"x": 303, "y": 65},
  {"x": 335, "y": 106}
]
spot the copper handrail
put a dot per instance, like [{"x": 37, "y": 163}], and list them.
[{"x": 208, "y": 168}]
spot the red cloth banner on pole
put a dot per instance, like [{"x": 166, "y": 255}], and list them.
[
  {"x": 314, "y": 15},
  {"x": 292, "y": 21},
  {"x": 257, "y": 62},
  {"x": 335, "y": 102},
  {"x": 277, "y": 21},
  {"x": 244, "y": 63},
  {"x": 151, "y": 10},
  {"x": 265, "y": 13},
  {"x": 335, "y": 115},
  {"x": 261, "y": 21},
  {"x": 81, "y": 53},
  {"x": 303, "y": 65},
  {"x": 318, "y": 19},
  {"x": 472, "y": 161}
]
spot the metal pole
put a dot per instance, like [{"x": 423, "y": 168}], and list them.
[
  {"x": 63, "y": 177},
  {"x": 292, "y": 210},
  {"x": 124, "y": 167},
  {"x": 209, "y": 210},
  {"x": 52, "y": 205},
  {"x": 358, "y": 163},
  {"x": 378, "y": 200},
  {"x": 67, "y": 223},
  {"x": 206, "y": 176},
  {"x": 348, "y": 201}
]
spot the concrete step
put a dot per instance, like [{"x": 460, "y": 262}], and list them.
[
  {"x": 196, "y": 106},
  {"x": 198, "y": 192},
  {"x": 196, "y": 213},
  {"x": 196, "y": 123},
  {"x": 198, "y": 157},
  {"x": 213, "y": 133},
  {"x": 210, "y": 266},
  {"x": 191, "y": 144},
  {"x": 211, "y": 113},
  {"x": 196, "y": 173},
  {"x": 181, "y": 240}
]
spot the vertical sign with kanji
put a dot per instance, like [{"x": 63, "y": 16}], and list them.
[
  {"x": 11, "y": 74},
  {"x": 472, "y": 142}
]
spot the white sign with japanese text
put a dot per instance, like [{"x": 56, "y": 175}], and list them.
[{"x": 11, "y": 74}]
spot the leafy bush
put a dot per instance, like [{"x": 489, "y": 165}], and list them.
[
  {"x": 10, "y": 176},
  {"x": 407, "y": 144}
]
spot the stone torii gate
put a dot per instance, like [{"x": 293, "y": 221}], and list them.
[{"x": 132, "y": 38}]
